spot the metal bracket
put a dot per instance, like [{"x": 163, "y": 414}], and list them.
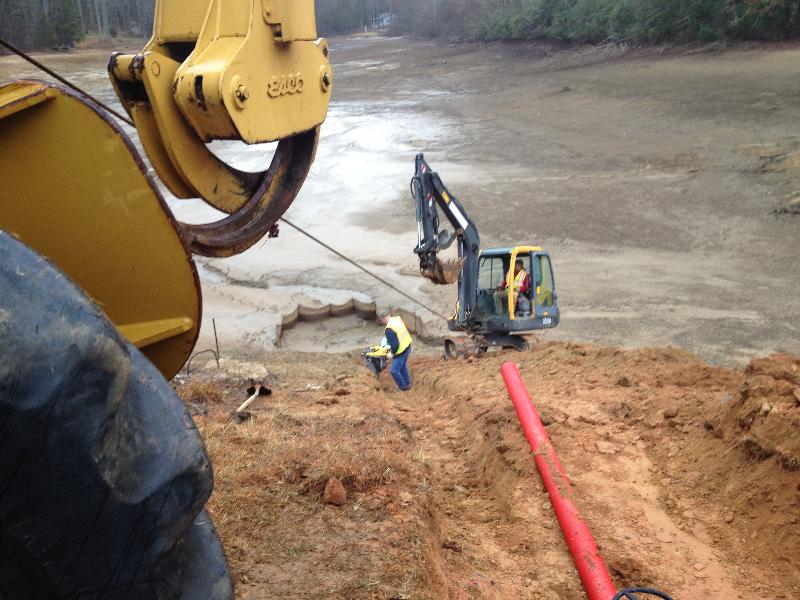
[{"x": 251, "y": 70}]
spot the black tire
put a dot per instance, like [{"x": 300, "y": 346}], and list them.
[
  {"x": 103, "y": 475},
  {"x": 450, "y": 350}
]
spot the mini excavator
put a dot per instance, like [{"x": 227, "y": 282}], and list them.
[{"x": 489, "y": 312}]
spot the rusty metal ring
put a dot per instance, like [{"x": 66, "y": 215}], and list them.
[{"x": 275, "y": 193}]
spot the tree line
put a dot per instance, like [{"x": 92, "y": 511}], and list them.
[
  {"x": 62, "y": 23},
  {"x": 573, "y": 21}
]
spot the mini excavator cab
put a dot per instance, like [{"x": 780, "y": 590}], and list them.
[{"x": 494, "y": 298}]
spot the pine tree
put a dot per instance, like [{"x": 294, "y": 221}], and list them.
[
  {"x": 67, "y": 22},
  {"x": 46, "y": 32}
]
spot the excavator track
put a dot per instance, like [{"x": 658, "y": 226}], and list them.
[
  {"x": 463, "y": 347},
  {"x": 478, "y": 345}
]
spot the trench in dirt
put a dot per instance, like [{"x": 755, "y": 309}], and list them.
[
  {"x": 684, "y": 476},
  {"x": 493, "y": 533}
]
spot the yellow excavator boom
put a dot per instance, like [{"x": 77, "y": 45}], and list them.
[
  {"x": 250, "y": 70},
  {"x": 73, "y": 188}
]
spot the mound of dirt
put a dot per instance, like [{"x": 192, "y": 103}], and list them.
[
  {"x": 684, "y": 472},
  {"x": 766, "y": 412},
  {"x": 754, "y": 470}
]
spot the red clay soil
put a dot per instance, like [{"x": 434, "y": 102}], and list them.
[{"x": 687, "y": 474}]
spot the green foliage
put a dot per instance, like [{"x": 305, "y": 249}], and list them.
[
  {"x": 576, "y": 21},
  {"x": 347, "y": 16},
  {"x": 67, "y": 22},
  {"x": 47, "y": 23},
  {"x": 32, "y": 24},
  {"x": 644, "y": 21},
  {"x": 766, "y": 20},
  {"x": 46, "y": 33}
]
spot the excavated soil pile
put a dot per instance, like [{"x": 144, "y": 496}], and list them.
[
  {"x": 760, "y": 426},
  {"x": 686, "y": 473}
]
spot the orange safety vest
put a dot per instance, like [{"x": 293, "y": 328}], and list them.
[{"x": 401, "y": 331}]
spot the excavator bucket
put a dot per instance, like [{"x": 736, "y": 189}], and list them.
[
  {"x": 444, "y": 272},
  {"x": 430, "y": 195}
]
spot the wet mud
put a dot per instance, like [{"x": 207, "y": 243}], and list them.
[{"x": 658, "y": 183}]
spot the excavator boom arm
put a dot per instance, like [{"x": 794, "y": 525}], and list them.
[
  {"x": 249, "y": 70},
  {"x": 430, "y": 196}
]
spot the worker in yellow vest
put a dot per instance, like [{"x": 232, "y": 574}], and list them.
[
  {"x": 398, "y": 340},
  {"x": 521, "y": 285}
]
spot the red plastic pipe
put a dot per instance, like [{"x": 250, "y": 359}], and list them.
[{"x": 591, "y": 568}]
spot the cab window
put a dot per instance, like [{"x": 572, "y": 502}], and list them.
[
  {"x": 543, "y": 280},
  {"x": 490, "y": 272}
]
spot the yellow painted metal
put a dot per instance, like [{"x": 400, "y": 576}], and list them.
[
  {"x": 178, "y": 20},
  {"x": 524, "y": 250},
  {"x": 291, "y": 20},
  {"x": 181, "y": 159},
  {"x": 249, "y": 70},
  {"x": 73, "y": 189},
  {"x": 145, "y": 122},
  {"x": 148, "y": 333},
  {"x": 510, "y": 275},
  {"x": 19, "y": 96},
  {"x": 245, "y": 80}
]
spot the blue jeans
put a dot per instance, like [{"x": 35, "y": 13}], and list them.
[{"x": 399, "y": 370}]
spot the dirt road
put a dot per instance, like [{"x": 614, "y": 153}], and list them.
[{"x": 687, "y": 474}]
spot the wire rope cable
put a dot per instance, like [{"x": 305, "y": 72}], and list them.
[
  {"x": 364, "y": 269},
  {"x": 25, "y": 56},
  {"x": 37, "y": 64}
]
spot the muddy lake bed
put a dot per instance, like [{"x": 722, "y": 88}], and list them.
[{"x": 655, "y": 182}]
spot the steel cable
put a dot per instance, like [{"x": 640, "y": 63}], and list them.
[
  {"x": 125, "y": 119},
  {"x": 367, "y": 271},
  {"x": 69, "y": 84}
]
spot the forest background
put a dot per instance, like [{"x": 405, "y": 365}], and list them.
[{"x": 39, "y": 24}]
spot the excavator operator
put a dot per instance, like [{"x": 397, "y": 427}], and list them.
[
  {"x": 522, "y": 285},
  {"x": 398, "y": 339}
]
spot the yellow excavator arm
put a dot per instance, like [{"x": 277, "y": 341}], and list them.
[
  {"x": 250, "y": 70},
  {"x": 73, "y": 188}
]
